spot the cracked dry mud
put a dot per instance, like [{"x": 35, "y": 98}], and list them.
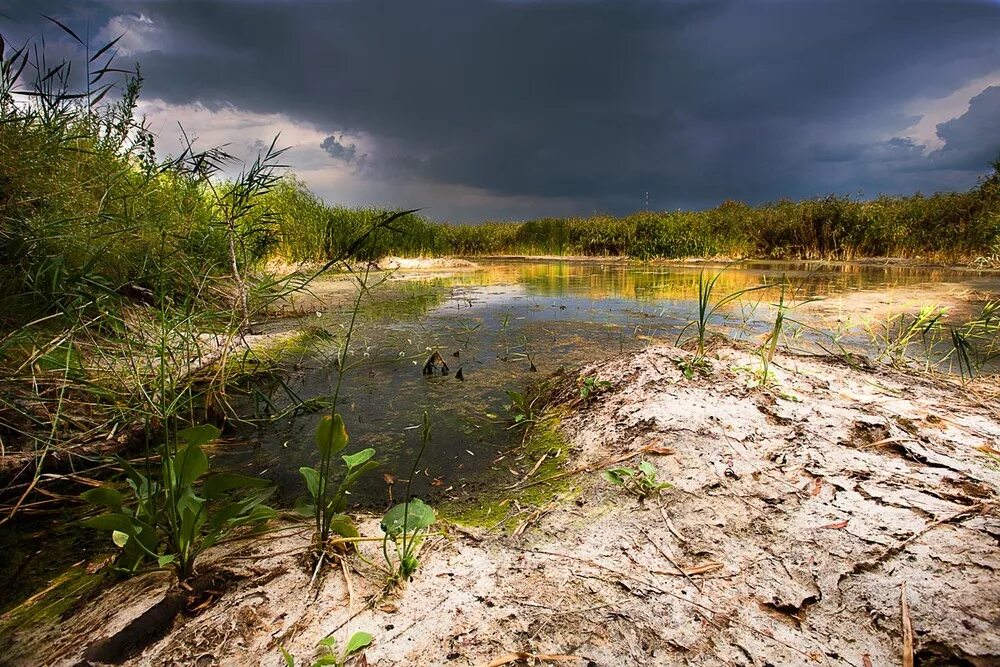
[{"x": 795, "y": 517}]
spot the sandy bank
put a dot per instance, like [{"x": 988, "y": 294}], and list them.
[{"x": 797, "y": 516}]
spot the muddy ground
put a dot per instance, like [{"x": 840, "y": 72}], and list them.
[{"x": 808, "y": 523}]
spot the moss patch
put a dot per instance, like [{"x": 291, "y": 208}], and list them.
[
  {"x": 65, "y": 591},
  {"x": 540, "y": 464}
]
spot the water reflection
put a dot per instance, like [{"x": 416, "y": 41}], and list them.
[{"x": 498, "y": 320}]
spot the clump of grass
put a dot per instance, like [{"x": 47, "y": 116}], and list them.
[
  {"x": 769, "y": 346},
  {"x": 707, "y": 309},
  {"x": 900, "y": 331}
]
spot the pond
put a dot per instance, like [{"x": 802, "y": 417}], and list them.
[{"x": 509, "y": 323}]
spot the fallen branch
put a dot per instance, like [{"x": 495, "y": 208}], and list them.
[{"x": 673, "y": 562}]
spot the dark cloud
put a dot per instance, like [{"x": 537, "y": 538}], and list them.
[
  {"x": 342, "y": 152},
  {"x": 600, "y": 102},
  {"x": 971, "y": 140}
]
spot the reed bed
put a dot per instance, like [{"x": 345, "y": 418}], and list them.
[{"x": 958, "y": 227}]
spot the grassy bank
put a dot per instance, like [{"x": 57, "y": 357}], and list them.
[
  {"x": 957, "y": 227},
  {"x": 127, "y": 279}
]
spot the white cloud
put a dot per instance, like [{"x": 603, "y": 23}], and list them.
[
  {"x": 241, "y": 132},
  {"x": 934, "y": 111},
  {"x": 245, "y": 133},
  {"x": 139, "y": 34}
]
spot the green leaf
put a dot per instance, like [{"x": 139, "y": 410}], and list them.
[
  {"x": 354, "y": 460},
  {"x": 326, "y": 660},
  {"x": 189, "y": 464},
  {"x": 196, "y": 436},
  {"x": 647, "y": 468},
  {"x": 261, "y": 513},
  {"x": 327, "y": 642},
  {"x": 612, "y": 477},
  {"x": 243, "y": 511},
  {"x": 119, "y": 538},
  {"x": 304, "y": 507},
  {"x": 118, "y": 522},
  {"x": 312, "y": 480},
  {"x": 189, "y": 502},
  {"x": 341, "y": 524},
  {"x": 104, "y": 497},
  {"x": 331, "y": 435},
  {"x": 217, "y": 484},
  {"x": 136, "y": 479},
  {"x": 289, "y": 660},
  {"x": 358, "y": 641},
  {"x": 165, "y": 560},
  {"x": 193, "y": 517},
  {"x": 418, "y": 516}
]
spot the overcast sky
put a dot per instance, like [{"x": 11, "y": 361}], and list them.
[{"x": 522, "y": 108}]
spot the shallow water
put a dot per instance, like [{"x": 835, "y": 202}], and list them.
[{"x": 496, "y": 322}]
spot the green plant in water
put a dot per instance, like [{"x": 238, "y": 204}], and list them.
[
  {"x": 181, "y": 513},
  {"x": 328, "y": 503},
  {"x": 327, "y": 506},
  {"x": 406, "y": 524},
  {"x": 900, "y": 331},
  {"x": 977, "y": 342},
  {"x": 770, "y": 343},
  {"x": 328, "y": 653},
  {"x": 521, "y": 408},
  {"x": 706, "y": 310},
  {"x": 641, "y": 482}
]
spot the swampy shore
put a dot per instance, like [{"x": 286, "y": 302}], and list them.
[{"x": 841, "y": 515}]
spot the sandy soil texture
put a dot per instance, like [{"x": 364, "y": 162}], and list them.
[{"x": 818, "y": 522}]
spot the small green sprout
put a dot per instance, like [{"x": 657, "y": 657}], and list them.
[
  {"x": 641, "y": 482},
  {"x": 592, "y": 386},
  {"x": 327, "y": 650}
]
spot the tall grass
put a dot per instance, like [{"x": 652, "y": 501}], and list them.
[
  {"x": 123, "y": 276},
  {"x": 947, "y": 226},
  {"x": 309, "y": 230},
  {"x": 127, "y": 280},
  {"x": 962, "y": 226}
]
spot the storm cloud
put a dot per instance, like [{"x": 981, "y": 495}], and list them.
[
  {"x": 340, "y": 150},
  {"x": 531, "y": 107}
]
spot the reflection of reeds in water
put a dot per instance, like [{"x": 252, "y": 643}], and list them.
[{"x": 629, "y": 281}]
